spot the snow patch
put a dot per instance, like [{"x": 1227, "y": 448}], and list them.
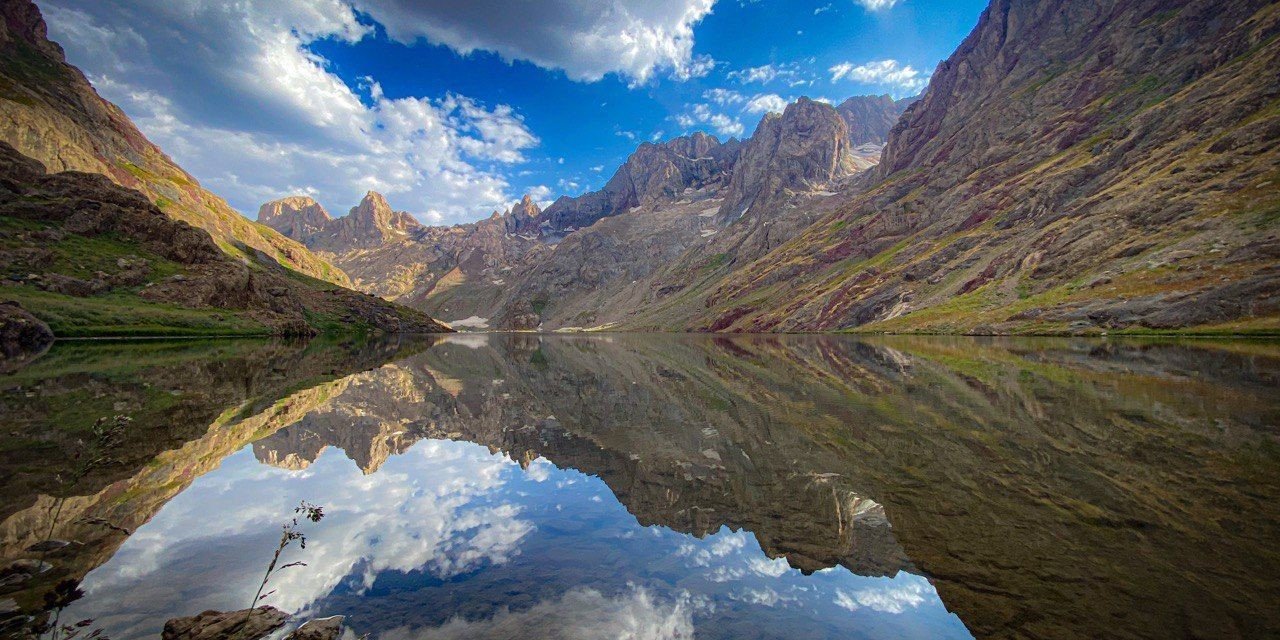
[{"x": 474, "y": 322}]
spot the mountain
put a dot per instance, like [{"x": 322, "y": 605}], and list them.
[
  {"x": 464, "y": 272},
  {"x": 654, "y": 172},
  {"x": 806, "y": 145},
  {"x": 50, "y": 112},
  {"x": 1072, "y": 167},
  {"x": 297, "y": 217},
  {"x": 1069, "y": 169},
  {"x": 390, "y": 254},
  {"x": 870, "y": 118},
  {"x": 92, "y": 258}
]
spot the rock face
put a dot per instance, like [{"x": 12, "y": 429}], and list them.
[
  {"x": 49, "y": 111},
  {"x": 81, "y": 222},
  {"x": 870, "y": 118},
  {"x": 319, "y": 629},
  {"x": 296, "y": 216},
  {"x": 246, "y": 624},
  {"x": 22, "y": 336},
  {"x": 654, "y": 172},
  {"x": 804, "y": 148},
  {"x": 369, "y": 224},
  {"x": 1071, "y": 168}
]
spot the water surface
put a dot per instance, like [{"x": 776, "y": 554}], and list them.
[{"x": 660, "y": 486}]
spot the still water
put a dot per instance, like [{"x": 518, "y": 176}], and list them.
[{"x": 642, "y": 486}]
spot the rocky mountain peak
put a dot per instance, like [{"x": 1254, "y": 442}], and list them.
[
  {"x": 373, "y": 206},
  {"x": 803, "y": 148},
  {"x": 370, "y": 223},
  {"x": 871, "y": 118},
  {"x": 523, "y": 215},
  {"x": 652, "y": 173},
  {"x": 298, "y": 217}
]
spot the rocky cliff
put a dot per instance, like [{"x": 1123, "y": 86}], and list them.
[
  {"x": 298, "y": 217},
  {"x": 870, "y": 118},
  {"x": 653, "y": 173},
  {"x": 804, "y": 148},
  {"x": 369, "y": 224},
  {"x": 50, "y": 112},
  {"x": 1071, "y": 168}
]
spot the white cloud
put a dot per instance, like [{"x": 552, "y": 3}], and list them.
[
  {"x": 723, "y": 97},
  {"x": 763, "y": 74},
  {"x": 580, "y": 613},
  {"x": 893, "y": 599},
  {"x": 701, "y": 114},
  {"x": 823, "y": 9},
  {"x": 585, "y": 38},
  {"x": 877, "y": 5},
  {"x": 881, "y": 72},
  {"x": 278, "y": 121},
  {"x": 437, "y": 508},
  {"x": 766, "y": 102},
  {"x": 698, "y": 67}
]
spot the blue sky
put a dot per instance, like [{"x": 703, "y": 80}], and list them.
[{"x": 454, "y": 109}]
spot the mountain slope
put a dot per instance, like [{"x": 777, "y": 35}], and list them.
[
  {"x": 781, "y": 181},
  {"x": 1072, "y": 167},
  {"x": 50, "y": 112},
  {"x": 92, "y": 258}
]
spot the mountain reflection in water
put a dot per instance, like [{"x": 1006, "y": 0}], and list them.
[{"x": 673, "y": 486}]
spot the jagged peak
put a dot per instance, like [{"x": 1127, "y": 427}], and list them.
[
  {"x": 373, "y": 199},
  {"x": 296, "y": 216}
]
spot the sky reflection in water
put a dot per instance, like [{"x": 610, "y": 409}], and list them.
[
  {"x": 565, "y": 486},
  {"x": 449, "y": 540}
]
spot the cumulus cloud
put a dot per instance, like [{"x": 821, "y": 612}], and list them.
[
  {"x": 585, "y": 38},
  {"x": 888, "y": 73},
  {"x": 763, "y": 74},
  {"x": 701, "y": 114},
  {"x": 256, "y": 115},
  {"x": 437, "y": 508},
  {"x": 895, "y": 599},
  {"x": 723, "y": 97},
  {"x": 766, "y": 102}
]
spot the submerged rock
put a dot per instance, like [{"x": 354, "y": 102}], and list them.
[
  {"x": 245, "y": 624},
  {"x": 319, "y": 629},
  {"x": 22, "y": 336}
]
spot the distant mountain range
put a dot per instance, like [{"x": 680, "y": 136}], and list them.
[{"x": 1071, "y": 168}]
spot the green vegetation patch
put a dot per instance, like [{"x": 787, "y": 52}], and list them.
[{"x": 123, "y": 314}]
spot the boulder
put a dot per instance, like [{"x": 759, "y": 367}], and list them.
[{"x": 245, "y": 624}]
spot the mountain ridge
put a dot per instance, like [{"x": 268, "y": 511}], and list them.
[{"x": 50, "y": 112}]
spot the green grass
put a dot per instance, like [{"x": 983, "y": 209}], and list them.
[{"x": 125, "y": 314}]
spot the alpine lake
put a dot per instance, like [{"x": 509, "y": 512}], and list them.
[{"x": 650, "y": 486}]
